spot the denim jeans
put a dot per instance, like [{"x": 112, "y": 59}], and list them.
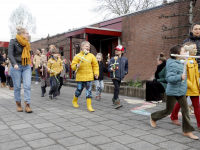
[
  {"x": 25, "y": 73},
  {"x": 36, "y": 75},
  {"x": 99, "y": 86}
]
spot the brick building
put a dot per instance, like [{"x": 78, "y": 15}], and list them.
[{"x": 144, "y": 34}]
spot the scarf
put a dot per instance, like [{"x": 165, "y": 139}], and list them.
[
  {"x": 159, "y": 69},
  {"x": 26, "y": 58}
]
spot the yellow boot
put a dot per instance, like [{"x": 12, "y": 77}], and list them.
[
  {"x": 89, "y": 104},
  {"x": 74, "y": 102}
]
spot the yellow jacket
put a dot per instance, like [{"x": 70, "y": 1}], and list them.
[
  {"x": 54, "y": 66},
  {"x": 192, "y": 78},
  {"x": 36, "y": 60},
  {"x": 87, "y": 70}
]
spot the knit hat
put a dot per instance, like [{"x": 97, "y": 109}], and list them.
[{"x": 119, "y": 48}]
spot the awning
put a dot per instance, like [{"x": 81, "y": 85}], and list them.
[{"x": 93, "y": 33}]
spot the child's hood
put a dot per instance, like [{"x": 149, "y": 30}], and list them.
[{"x": 170, "y": 61}]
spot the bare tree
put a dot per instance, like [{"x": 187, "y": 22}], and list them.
[
  {"x": 22, "y": 17},
  {"x": 115, "y": 8}
]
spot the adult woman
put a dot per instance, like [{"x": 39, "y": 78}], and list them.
[
  {"x": 158, "y": 85},
  {"x": 19, "y": 55}
]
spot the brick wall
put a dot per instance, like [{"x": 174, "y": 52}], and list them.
[{"x": 142, "y": 35}]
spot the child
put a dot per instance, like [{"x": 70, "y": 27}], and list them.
[
  {"x": 62, "y": 74},
  {"x": 99, "y": 82},
  {"x": 87, "y": 68},
  {"x": 66, "y": 70},
  {"x": 2, "y": 74},
  {"x": 193, "y": 87},
  {"x": 175, "y": 91},
  {"x": 117, "y": 72},
  {"x": 44, "y": 75},
  {"x": 55, "y": 67},
  {"x": 9, "y": 78}
]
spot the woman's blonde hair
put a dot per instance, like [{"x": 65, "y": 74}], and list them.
[
  {"x": 20, "y": 30},
  {"x": 52, "y": 46},
  {"x": 162, "y": 57},
  {"x": 99, "y": 54},
  {"x": 83, "y": 43}
]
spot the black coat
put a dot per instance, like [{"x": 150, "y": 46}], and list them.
[
  {"x": 102, "y": 69},
  {"x": 122, "y": 68},
  {"x": 15, "y": 52},
  {"x": 196, "y": 40},
  {"x": 2, "y": 74}
]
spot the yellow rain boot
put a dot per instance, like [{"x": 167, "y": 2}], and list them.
[
  {"x": 74, "y": 102},
  {"x": 89, "y": 104}
]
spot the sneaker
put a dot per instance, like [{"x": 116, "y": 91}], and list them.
[
  {"x": 55, "y": 97},
  {"x": 155, "y": 102},
  {"x": 36, "y": 82},
  {"x": 160, "y": 101},
  {"x": 117, "y": 104},
  {"x": 50, "y": 96}
]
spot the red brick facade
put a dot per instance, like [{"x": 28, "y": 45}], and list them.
[{"x": 143, "y": 36}]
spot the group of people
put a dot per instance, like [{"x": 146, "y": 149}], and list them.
[
  {"x": 169, "y": 76},
  {"x": 6, "y": 80},
  {"x": 178, "y": 83}
]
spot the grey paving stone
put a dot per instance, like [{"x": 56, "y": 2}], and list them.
[
  {"x": 52, "y": 147},
  {"x": 97, "y": 140},
  {"x": 51, "y": 129},
  {"x": 60, "y": 135},
  {"x": 75, "y": 128},
  {"x": 172, "y": 145},
  {"x": 110, "y": 123},
  {"x": 154, "y": 139},
  {"x": 65, "y": 124},
  {"x": 85, "y": 146},
  {"x": 20, "y": 126},
  {"x": 43, "y": 125},
  {"x": 179, "y": 138},
  {"x": 77, "y": 120},
  {"x": 125, "y": 139},
  {"x": 113, "y": 146},
  {"x": 37, "y": 121},
  {"x": 3, "y": 127},
  {"x": 111, "y": 133},
  {"x": 24, "y": 148},
  {"x": 161, "y": 132},
  {"x": 41, "y": 143},
  {"x": 71, "y": 141},
  {"x": 122, "y": 127},
  {"x": 88, "y": 123},
  {"x": 142, "y": 145},
  {"x": 5, "y": 132},
  {"x": 9, "y": 137},
  {"x": 99, "y": 127},
  {"x": 16, "y": 122},
  {"x": 11, "y": 118},
  {"x": 33, "y": 136},
  {"x": 136, "y": 132},
  {"x": 26, "y": 131},
  {"x": 194, "y": 144},
  {"x": 12, "y": 145},
  {"x": 167, "y": 126},
  {"x": 132, "y": 122},
  {"x": 144, "y": 126},
  {"x": 99, "y": 119},
  {"x": 85, "y": 133},
  {"x": 57, "y": 120}
]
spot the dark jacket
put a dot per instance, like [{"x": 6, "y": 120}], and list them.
[
  {"x": 102, "y": 69},
  {"x": 175, "y": 86},
  {"x": 14, "y": 52},
  {"x": 66, "y": 68},
  {"x": 160, "y": 74},
  {"x": 1, "y": 58},
  {"x": 196, "y": 40},
  {"x": 122, "y": 68}
]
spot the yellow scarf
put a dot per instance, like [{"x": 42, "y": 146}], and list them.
[{"x": 26, "y": 57}]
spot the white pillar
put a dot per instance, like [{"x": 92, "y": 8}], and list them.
[{"x": 119, "y": 41}]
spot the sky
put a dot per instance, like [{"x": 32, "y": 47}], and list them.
[{"x": 52, "y": 16}]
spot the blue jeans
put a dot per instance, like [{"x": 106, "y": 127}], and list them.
[
  {"x": 36, "y": 75},
  {"x": 25, "y": 73},
  {"x": 99, "y": 86}
]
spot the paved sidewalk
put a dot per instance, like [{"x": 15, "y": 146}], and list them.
[{"x": 56, "y": 125}]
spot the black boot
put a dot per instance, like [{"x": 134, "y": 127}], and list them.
[{"x": 43, "y": 91}]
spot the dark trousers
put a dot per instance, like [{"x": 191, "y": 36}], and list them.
[
  {"x": 80, "y": 87},
  {"x": 55, "y": 81},
  {"x": 153, "y": 90},
  {"x": 171, "y": 100},
  {"x": 9, "y": 81},
  {"x": 61, "y": 83},
  {"x": 3, "y": 78},
  {"x": 116, "y": 88}
]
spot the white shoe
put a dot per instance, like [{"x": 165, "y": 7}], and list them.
[
  {"x": 155, "y": 102},
  {"x": 160, "y": 101},
  {"x": 36, "y": 82}
]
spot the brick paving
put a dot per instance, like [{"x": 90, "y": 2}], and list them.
[{"x": 56, "y": 125}]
